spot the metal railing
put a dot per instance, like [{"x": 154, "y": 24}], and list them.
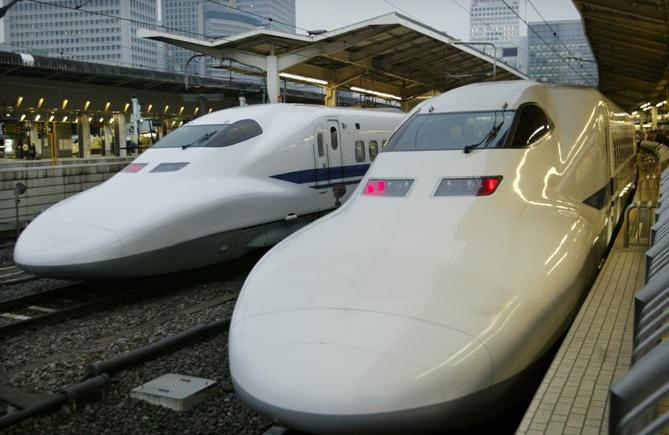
[
  {"x": 649, "y": 218},
  {"x": 636, "y": 399}
]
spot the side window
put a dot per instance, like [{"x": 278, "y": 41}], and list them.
[
  {"x": 319, "y": 141},
  {"x": 533, "y": 124},
  {"x": 373, "y": 149},
  {"x": 359, "y": 151},
  {"x": 334, "y": 140}
]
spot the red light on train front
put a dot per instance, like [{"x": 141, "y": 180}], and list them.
[
  {"x": 469, "y": 186},
  {"x": 397, "y": 187}
]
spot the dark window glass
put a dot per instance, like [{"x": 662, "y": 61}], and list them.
[
  {"x": 359, "y": 151},
  {"x": 452, "y": 131},
  {"x": 219, "y": 135},
  {"x": 533, "y": 124},
  {"x": 373, "y": 149},
  {"x": 334, "y": 140},
  {"x": 319, "y": 140}
]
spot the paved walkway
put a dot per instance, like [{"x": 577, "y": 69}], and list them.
[{"x": 573, "y": 397}]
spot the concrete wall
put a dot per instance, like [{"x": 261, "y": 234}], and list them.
[{"x": 49, "y": 184}]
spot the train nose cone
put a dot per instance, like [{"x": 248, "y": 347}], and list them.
[
  {"x": 64, "y": 248},
  {"x": 350, "y": 371}
]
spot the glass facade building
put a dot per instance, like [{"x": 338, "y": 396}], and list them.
[
  {"x": 492, "y": 21},
  {"x": 221, "y": 19},
  {"x": 577, "y": 65},
  {"x": 84, "y": 34}
]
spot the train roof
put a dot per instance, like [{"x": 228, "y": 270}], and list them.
[
  {"x": 304, "y": 112},
  {"x": 501, "y": 95}
]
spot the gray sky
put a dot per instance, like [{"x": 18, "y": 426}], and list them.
[{"x": 443, "y": 15}]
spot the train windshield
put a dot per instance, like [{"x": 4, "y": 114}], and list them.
[
  {"x": 211, "y": 136},
  {"x": 453, "y": 131}
]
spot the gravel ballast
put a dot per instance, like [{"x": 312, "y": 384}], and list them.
[{"x": 56, "y": 356}]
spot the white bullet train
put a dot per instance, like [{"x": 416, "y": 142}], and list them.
[
  {"x": 459, "y": 260},
  {"x": 210, "y": 191}
]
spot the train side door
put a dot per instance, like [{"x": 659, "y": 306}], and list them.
[
  {"x": 321, "y": 157},
  {"x": 334, "y": 151}
]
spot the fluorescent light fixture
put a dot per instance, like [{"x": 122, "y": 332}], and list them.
[
  {"x": 101, "y": 120},
  {"x": 211, "y": 110},
  {"x": 375, "y": 93},
  {"x": 167, "y": 107},
  {"x": 64, "y": 119},
  {"x": 149, "y": 108},
  {"x": 38, "y": 117},
  {"x": 303, "y": 79},
  {"x": 645, "y": 105},
  {"x": 19, "y": 100},
  {"x": 660, "y": 104},
  {"x": 51, "y": 118},
  {"x": 181, "y": 110},
  {"x": 22, "y": 117},
  {"x": 64, "y": 105},
  {"x": 107, "y": 105},
  {"x": 197, "y": 109},
  {"x": 40, "y": 102},
  {"x": 90, "y": 118},
  {"x": 125, "y": 108},
  {"x": 86, "y": 105},
  {"x": 635, "y": 113}
]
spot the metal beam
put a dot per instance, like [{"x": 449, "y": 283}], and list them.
[
  {"x": 300, "y": 55},
  {"x": 391, "y": 45}
]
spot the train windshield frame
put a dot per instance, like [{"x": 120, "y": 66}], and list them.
[
  {"x": 211, "y": 135},
  {"x": 452, "y": 131}
]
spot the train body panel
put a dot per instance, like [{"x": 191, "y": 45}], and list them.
[
  {"x": 503, "y": 273},
  {"x": 170, "y": 196}
]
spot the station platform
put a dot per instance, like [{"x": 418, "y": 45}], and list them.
[
  {"x": 573, "y": 397},
  {"x": 47, "y": 184}
]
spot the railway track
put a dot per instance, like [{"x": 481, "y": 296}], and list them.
[
  {"x": 26, "y": 312},
  {"x": 12, "y": 274},
  {"x": 22, "y": 313}
]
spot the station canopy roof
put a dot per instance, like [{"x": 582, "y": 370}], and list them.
[
  {"x": 392, "y": 54},
  {"x": 630, "y": 41}
]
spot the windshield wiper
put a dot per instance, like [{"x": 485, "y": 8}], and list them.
[
  {"x": 202, "y": 138},
  {"x": 486, "y": 140}
]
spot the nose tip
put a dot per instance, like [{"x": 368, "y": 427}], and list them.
[
  {"x": 350, "y": 368},
  {"x": 322, "y": 378},
  {"x": 46, "y": 246}
]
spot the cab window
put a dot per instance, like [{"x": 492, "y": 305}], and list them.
[
  {"x": 359, "y": 151},
  {"x": 211, "y": 136},
  {"x": 532, "y": 125}
]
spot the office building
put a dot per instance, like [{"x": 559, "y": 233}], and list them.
[
  {"x": 94, "y": 32},
  {"x": 575, "y": 63}
]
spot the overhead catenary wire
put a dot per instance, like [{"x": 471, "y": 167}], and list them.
[
  {"x": 269, "y": 19},
  {"x": 481, "y": 21},
  {"x": 400, "y": 9},
  {"x": 116, "y": 17},
  {"x": 545, "y": 42},
  {"x": 572, "y": 54}
]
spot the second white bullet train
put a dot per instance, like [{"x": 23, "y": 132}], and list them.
[
  {"x": 460, "y": 259},
  {"x": 210, "y": 191}
]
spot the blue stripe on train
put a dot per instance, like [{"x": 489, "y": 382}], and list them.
[{"x": 323, "y": 175}]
